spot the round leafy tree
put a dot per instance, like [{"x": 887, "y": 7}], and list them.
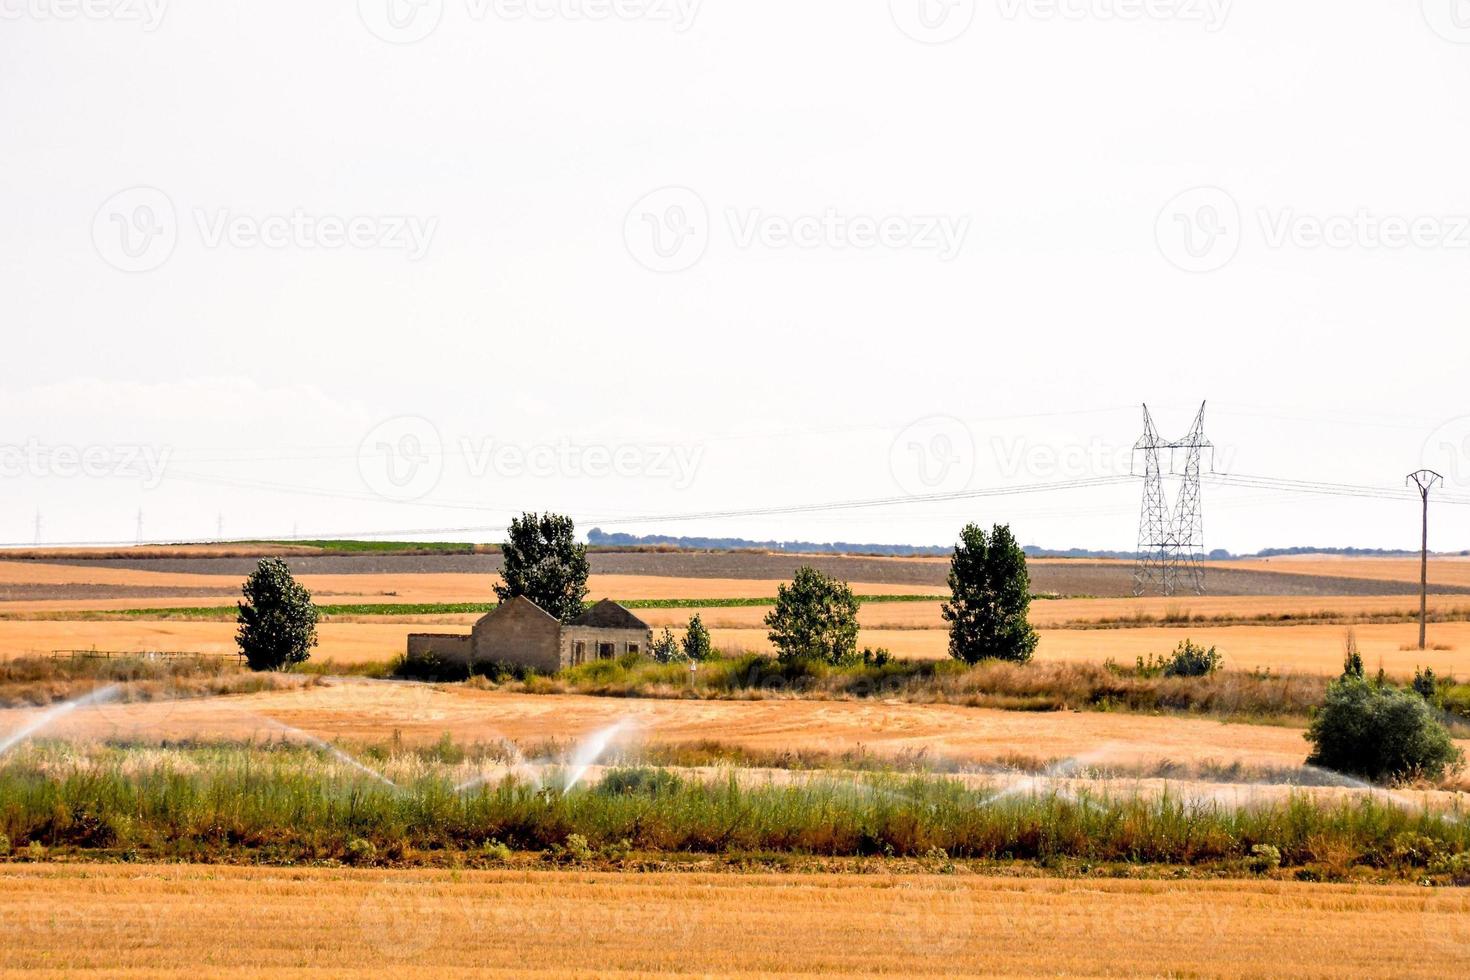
[
  {"x": 990, "y": 595},
  {"x": 1379, "y": 732},
  {"x": 544, "y": 563},
  {"x": 815, "y": 619},
  {"x": 277, "y": 620}
]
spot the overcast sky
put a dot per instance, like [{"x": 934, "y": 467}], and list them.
[{"x": 387, "y": 266}]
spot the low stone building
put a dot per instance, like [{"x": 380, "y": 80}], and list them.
[{"x": 520, "y": 633}]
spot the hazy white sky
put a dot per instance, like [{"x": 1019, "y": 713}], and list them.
[{"x": 347, "y": 267}]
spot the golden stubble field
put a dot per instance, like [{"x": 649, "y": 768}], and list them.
[
  {"x": 909, "y": 629},
  {"x": 372, "y": 712},
  {"x": 225, "y": 921}
]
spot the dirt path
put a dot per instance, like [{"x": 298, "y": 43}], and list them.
[{"x": 188, "y": 921}]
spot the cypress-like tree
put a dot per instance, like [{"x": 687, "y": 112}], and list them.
[
  {"x": 277, "y": 621},
  {"x": 544, "y": 563},
  {"x": 990, "y": 595}
]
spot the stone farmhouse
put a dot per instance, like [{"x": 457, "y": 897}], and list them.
[{"x": 521, "y": 633}]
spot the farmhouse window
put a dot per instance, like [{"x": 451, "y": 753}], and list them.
[
  {"x": 606, "y": 651},
  {"x": 579, "y": 652},
  {"x": 632, "y": 648}
]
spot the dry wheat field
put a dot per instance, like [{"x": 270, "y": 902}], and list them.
[{"x": 188, "y": 921}]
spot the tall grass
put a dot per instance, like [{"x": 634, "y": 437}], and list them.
[
  {"x": 289, "y": 805},
  {"x": 1038, "y": 686}
]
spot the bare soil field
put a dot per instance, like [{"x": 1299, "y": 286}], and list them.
[{"x": 184, "y": 920}]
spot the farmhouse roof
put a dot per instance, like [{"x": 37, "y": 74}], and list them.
[
  {"x": 519, "y": 604},
  {"x": 609, "y": 615}
]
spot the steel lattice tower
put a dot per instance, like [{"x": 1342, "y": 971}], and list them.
[{"x": 1171, "y": 543}]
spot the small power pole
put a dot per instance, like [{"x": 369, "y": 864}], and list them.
[
  {"x": 219, "y": 527},
  {"x": 140, "y": 525},
  {"x": 1425, "y": 481},
  {"x": 38, "y": 526}
]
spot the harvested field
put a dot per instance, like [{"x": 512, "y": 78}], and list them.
[
  {"x": 1063, "y": 577},
  {"x": 1305, "y": 649},
  {"x": 1444, "y": 570},
  {"x": 184, "y": 920},
  {"x": 369, "y": 712}
]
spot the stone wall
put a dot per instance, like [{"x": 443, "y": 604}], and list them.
[
  {"x": 595, "y": 642},
  {"x": 455, "y": 647},
  {"x": 519, "y": 632}
]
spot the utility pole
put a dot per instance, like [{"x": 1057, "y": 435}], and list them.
[
  {"x": 219, "y": 527},
  {"x": 38, "y": 526},
  {"x": 1425, "y": 481},
  {"x": 140, "y": 525}
]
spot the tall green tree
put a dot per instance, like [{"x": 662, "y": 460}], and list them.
[
  {"x": 815, "y": 618},
  {"x": 544, "y": 563},
  {"x": 990, "y": 591},
  {"x": 277, "y": 621},
  {"x": 697, "y": 644}
]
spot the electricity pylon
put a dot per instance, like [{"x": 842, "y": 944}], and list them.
[{"x": 1171, "y": 543}]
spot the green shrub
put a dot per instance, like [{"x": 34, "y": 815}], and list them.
[
  {"x": 666, "y": 648},
  {"x": 1190, "y": 660},
  {"x": 642, "y": 780},
  {"x": 1380, "y": 733},
  {"x": 494, "y": 850},
  {"x": 1425, "y": 684},
  {"x": 361, "y": 851},
  {"x": 1264, "y": 859},
  {"x": 4, "y": 846}
]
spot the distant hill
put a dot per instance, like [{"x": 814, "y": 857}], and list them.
[{"x": 601, "y": 539}]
